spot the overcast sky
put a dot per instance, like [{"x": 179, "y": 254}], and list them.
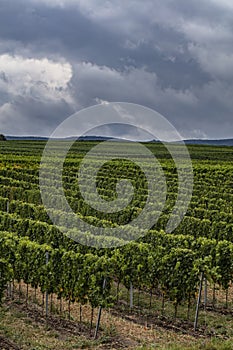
[{"x": 59, "y": 56}]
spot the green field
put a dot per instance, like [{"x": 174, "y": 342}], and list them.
[{"x": 151, "y": 282}]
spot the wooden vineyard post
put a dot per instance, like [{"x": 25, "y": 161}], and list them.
[
  {"x": 198, "y": 302},
  {"x": 131, "y": 295},
  {"x": 205, "y": 293},
  {"x": 9, "y": 291},
  {"x": 99, "y": 314},
  {"x": 46, "y": 294}
]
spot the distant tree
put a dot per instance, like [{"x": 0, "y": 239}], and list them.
[{"x": 2, "y": 137}]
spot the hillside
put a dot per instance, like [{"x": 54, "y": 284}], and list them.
[
  {"x": 209, "y": 142},
  {"x": 221, "y": 142}
]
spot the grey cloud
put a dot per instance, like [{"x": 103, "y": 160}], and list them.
[
  {"x": 170, "y": 56},
  {"x": 27, "y": 116}
]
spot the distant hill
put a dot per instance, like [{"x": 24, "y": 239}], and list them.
[
  {"x": 26, "y": 138},
  {"x": 220, "y": 142},
  {"x": 41, "y": 138}
]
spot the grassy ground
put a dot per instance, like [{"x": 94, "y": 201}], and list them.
[{"x": 27, "y": 329}]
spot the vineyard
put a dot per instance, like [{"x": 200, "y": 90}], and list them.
[{"x": 166, "y": 279}]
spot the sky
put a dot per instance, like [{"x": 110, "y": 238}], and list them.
[{"x": 60, "y": 56}]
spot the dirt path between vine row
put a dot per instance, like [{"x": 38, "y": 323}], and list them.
[
  {"x": 122, "y": 329},
  {"x": 149, "y": 321},
  {"x": 66, "y": 328},
  {"x": 5, "y": 344}
]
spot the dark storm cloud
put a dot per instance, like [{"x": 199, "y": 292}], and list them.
[
  {"x": 56, "y": 31},
  {"x": 173, "y": 56},
  {"x": 68, "y": 32},
  {"x": 27, "y": 116}
]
